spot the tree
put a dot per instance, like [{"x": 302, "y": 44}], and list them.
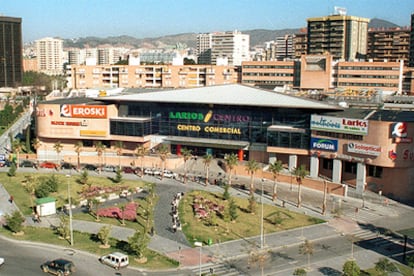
[
  {"x": 299, "y": 272},
  {"x": 252, "y": 204},
  {"x": 17, "y": 147},
  {"x": 58, "y": 148},
  {"x": 15, "y": 221},
  {"x": 100, "y": 149},
  {"x": 118, "y": 175},
  {"x": 122, "y": 208},
  {"x": 78, "y": 149},
  {"x": 141, "y": 151},
  {"x": 275, "y": 168},
  {"x": 163, "y": 153},
  {"x": 383, "y": 266},
  {"x": 103, "y": 235},
  {"x": 306, "y": 249},
  {"x": 226, "y": 194},
  {"x": 63, "y": 229},
  {"x": 232, "y": 210},
  {"x": 252, "y": 167},
  {"x": 300, "y": 173},
  {"x": 30, "y": 186},
  {"x": 258, "y": 257},
  {"x": 119, "y": 147},
  {"x": 97, "y": 203},
  {"x": 186, "y": 153},
  {"x": 207, "y": 162},
  {"x": 84, "y": 177},
  {"x": 12, "y": 170},
  {"x": 138, "y": 243},
  {"x": 36, "y": 144},
  {"x": 231, "y": 162},
  {"x": 351, "y": 268}
]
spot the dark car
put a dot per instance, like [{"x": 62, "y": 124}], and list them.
[
  {"x": 59, "y": 267},
  {"x": 128, "y": 170},
  {"x": 68, "y": 166},
  {"x": 27, "y": 164},
  {"x": 90, "y": 167}
]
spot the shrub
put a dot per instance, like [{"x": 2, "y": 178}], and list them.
[
  {"x": 351, "y": 268},
  {"x": 42, "y": 190},
  {"x": 14, "y": 221},
  {"x": 299, "y": 272},
  {"x": 12, "y": 170}
]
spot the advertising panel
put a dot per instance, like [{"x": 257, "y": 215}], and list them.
[
  {"x": 341, "y": 125},
  {"x": 399, "y": 132},
  {"x": 324, "y": 144},
  {"x": 83, "y": 111},
  {"x": 364, "y": 149}
]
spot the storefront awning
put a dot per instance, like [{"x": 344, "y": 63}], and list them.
[{"x": 203, "y": 142}]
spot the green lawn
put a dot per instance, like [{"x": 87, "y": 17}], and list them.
[{"x": 246, "y": 225}]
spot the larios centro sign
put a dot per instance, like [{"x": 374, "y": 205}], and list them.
[
  {"x": 83, "y": 111},
  {"x": 205, "y": 118},
  {"x": 342, "y": 125}
]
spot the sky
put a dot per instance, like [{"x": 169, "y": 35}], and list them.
[{"x": 154, "y": 18}]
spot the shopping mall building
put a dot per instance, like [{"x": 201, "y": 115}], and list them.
[{"x": 368, "y": 149}]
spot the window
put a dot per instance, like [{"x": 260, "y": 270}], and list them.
[
  {"x": 327, "y": 164},
  {"x": 375, "y": 171},
  {"x": 350, "y": 167}
]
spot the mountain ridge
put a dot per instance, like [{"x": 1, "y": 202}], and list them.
[{"x": 257, "y": 38}]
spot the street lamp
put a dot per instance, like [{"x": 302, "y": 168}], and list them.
[
  {"x": 261, "y": 220},
  {"x": 70, "y": 211},
  {"x": 199, "y": 244}
]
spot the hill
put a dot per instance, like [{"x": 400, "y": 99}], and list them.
[{"x": 257, "y": 38}]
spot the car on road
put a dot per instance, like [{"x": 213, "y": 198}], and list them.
[
  {"x": 48, "y": 165},
  {"x": 128, "y": 170},
  {"x": 116, "y": 260},
  {"x": 89, "y": 167},
  {"x": 68, "y": 166},
  {"x": 60, "y": 267},
  {"x": 109, "y": 168}
]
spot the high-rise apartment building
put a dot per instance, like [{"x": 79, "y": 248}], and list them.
[
  {"x": 389, "y": 44},
  {"x": 284, "y": 47},
  {"x": 411, "y": 58},
  {"x": 300, "y": 43},
  {"x": 50, "y": 55},
  {"x": 203, "y": 48},
  {"x": 343, "y": 36},
  {"x": 11, "y": 54},
  {"x": 230, "y": 48}
]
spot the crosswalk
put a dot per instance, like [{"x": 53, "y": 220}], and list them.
[
  {"x": 363, "y": 214},
  {"x": 219, "y": 269}
]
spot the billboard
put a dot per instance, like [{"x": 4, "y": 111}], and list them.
[
  {"x": 324, "y": 144},
  {"x": 341, "y": 125},
  {"x": 83, "y": 111},
  {"x": 364, "y": 149}
]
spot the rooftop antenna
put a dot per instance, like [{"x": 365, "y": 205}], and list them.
[{"x": 339, "y": 10}]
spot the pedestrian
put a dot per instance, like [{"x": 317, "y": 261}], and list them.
[
  {"x": 11, "y": 199},
  {"x": 174, "y": 227}
]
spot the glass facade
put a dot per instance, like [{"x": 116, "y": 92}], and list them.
[{"x": 236, "y": 123}]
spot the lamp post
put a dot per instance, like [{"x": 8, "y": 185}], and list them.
[
  {"x": 70, "y": 212},
  {"x": 199, "y": 244},
  {"x": 261, "y": 220}
]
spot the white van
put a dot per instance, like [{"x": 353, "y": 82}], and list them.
[{"x": 116, "y": 260}]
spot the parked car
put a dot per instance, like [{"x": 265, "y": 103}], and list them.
[
  {"x": 59, "y": 267},
  {"x": 170, "y": 174},
  {"x": 128, "y": 170},
  {"x": 116, "y": 260},
  {"x": 109, "y": 168},
  {"x": 1, "y": 261},
  {"x": 27, "y": 164},
  {"x": 89, "y": 167},
  {"x": 48, "y": 165},
  {"x": 68, "y": 166}
]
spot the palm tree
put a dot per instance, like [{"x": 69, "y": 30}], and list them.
[
  {"x": 141, "y": 151},
  {"x": 275, "y": 168},
  {"x": 186, "y": 156},
  {"x": 231, "y": 161},
  {"x": 58, "y": 148},
  {"x": 78, "y": 149},
  {"x": 163, "y": 152},
  {"x": 17, "y": 147},
  {"x": 100, "y": 148},
  {"x": 119, "y": 146},
  {"x": 36, "y": 144},
  {"x": 122, "y": 208},
  {"x": 306, "y": 248},
  {"x": 207, "y": 161},
  {"x": 300, "y": 173},
  {"x": 252, "y": 167}
]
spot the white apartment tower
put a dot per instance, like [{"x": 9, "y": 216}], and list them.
[
  {"x": 203, "y": 48},
  {"x": 50, "y": 55},
  {"x": 231, "y": 46}
]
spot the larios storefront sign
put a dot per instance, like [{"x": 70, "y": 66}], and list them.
[
  {"x": 364, "y": 149},
  {"x": 210, "y": 115},
  {"x": 324, "y": 144},
  {"x": 342, "y": 125},
  {"x": 83, "y": 111}
]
